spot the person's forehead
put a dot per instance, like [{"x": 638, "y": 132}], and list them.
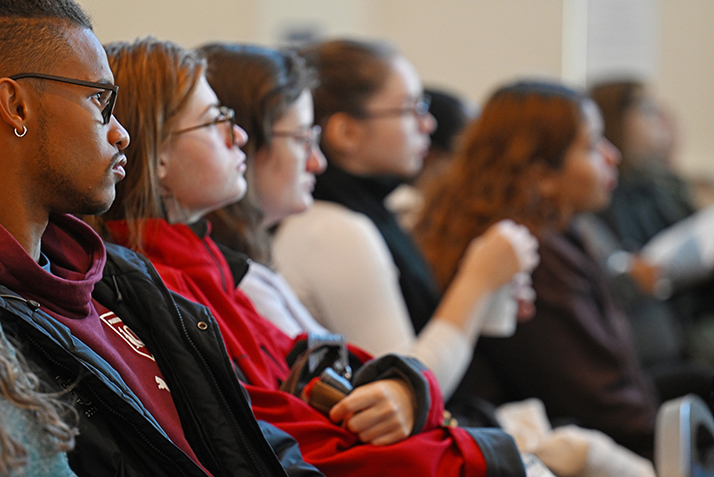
[
  {"x": 408, "y": 73},
  {"x": 402, "y": 83},
  {"x": 203, "y": 99},
  {"x": 299, "y": 111},
  {"x": 85, "y": 58},
  {"x": 592, "y": 115}
]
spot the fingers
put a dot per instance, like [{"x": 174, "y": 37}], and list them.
[
  {"x": 360, "y": 399},
  {"x": 353, "y": 403},
  {"x": 499, "y": 253},
  {"x": 523, "y": 242},
  {"x": 384, "y": 432},
  {"x": 523, "y": 287},
  {"x": 525, "y": 295},
  {"x": 378, "y": 413}
]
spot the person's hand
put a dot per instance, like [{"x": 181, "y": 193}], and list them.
[
  {"x": 525, "y": 295},
  {"x": 379, "y": 413},
  {"x": 645, "y": 275},
  {"x": 499, "y": 253}
]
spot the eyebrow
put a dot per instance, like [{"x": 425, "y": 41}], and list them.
[
  {"x": 106, "y": 81},
  {"x": 103, "y": 81},
  {"x": 210, "y": 107},
  {"x": 413, "y": 98}
]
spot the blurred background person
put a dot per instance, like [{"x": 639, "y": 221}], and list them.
[
  {"x": 537, "y": 155},
  {"x": 650, "y": 196},
  {"x": 347, "y": 258},
  {"x": 452, "y": 113},
  {"x": 671, "y": 315}
]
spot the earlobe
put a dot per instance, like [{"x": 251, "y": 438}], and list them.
[{"x": 13, "y": 107}]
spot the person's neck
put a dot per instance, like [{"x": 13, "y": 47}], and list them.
[
  {"x": 26, "y": 230},
  {"x": 271, "y": 220},
  {"x": 352, "y": 165},
  {"x": 176, "y": 213}
]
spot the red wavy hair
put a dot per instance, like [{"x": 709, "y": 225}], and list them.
[{"x": 524, "y": 129}]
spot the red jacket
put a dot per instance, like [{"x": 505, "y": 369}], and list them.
[{"x": 194, "y": 267}]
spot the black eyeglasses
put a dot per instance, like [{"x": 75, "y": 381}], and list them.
[
  {"x": 225, "y": 115},
  {"x": 310, "y": 137},
  {"x": 418, "y": 109},
  {"x": 107, "y": 97}
]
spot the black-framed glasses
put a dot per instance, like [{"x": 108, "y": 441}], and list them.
[
  {"x": 107, "y": 98},
  {"x": 309, "y": 137},
  {"x": 225, "y": 115},
  {"x": 419, "y": 108}
]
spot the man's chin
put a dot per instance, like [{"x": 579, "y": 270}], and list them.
[{"x": 97, "y": 208}]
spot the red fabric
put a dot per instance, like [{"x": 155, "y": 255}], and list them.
[{"x": 195, "y": 268}]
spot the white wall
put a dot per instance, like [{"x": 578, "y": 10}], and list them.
[{"x": 466, "y": 45}]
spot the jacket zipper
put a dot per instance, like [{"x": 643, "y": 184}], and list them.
[{"x": 233, "y": 419}]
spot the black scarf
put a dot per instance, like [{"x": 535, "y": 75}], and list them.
[{"x": 366, "y": 195}]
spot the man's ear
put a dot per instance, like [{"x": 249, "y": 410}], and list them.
[
  {"x": 13, "y": 104},
  {"x": 343, "y": 133}
]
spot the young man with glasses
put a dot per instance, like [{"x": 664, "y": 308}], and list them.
[{"x": 155, "y": 391}]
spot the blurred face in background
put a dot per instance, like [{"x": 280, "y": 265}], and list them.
[
  {"x": 649, "y": 133},
  {"x": 283, "y": 176},
  {"x": 396, "y": 125},
  {"x": 588, "y": 175}
]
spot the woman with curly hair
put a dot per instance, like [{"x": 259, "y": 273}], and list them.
[
  {"x": 34, "y": 436},
  {"x": 537, "y": 155}
]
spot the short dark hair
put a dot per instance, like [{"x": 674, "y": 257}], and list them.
[
  {"x": 615, "y": 98},
  {"x": 33, "y": 32},
  {"x": 350, "y": 72}
]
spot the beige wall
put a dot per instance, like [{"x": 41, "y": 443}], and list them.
[
  {"x": 686, "y": 79},
  {"x": 467, "y": 45},
  {"x": 472, "y": 46}
]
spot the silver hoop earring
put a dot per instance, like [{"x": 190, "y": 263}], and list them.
[{"x": 24, "y": 131}]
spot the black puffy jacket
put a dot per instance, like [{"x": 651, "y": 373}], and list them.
[{"x": 117, "y": 436}]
